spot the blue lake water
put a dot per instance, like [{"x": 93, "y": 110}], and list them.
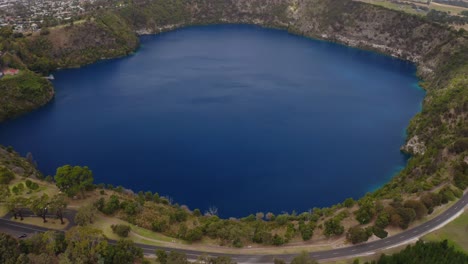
[{"x": 237, "y": 117}]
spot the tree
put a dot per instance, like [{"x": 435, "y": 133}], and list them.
[
  {"x": 85, "y": 215},
  {"x": 124, "y": 252},
  {"x": 85, "y": 245},
  {"x": 383, "y": 219},
  {"x": 40, "y": 206},
  {"x": 57, "y": 205},
  {"x": 121, "y": 230},
  {"x": 349, "y": 202},
  {"x": 9, "y": 249},
  {"x": 194, "y": 234},
  {"x": 72, "y": 180},
  {"x": 205, "y": 259},
  {"x": 426, "y": 252},
  {"x": 161, "y": 256},
  {"x": 357, "y": 234},
  {"x": 221, "y": 260},
  {"x": 303, "y": 258},
  {"x": 418, "y": 207},
  {"x": 379, "y": 232},
  {"x": 4, "y": 192},
  {"x": 6, "y": 175},
  {"x": 51, "y": 243},
  {"x": 177, "y": 258},
  {"x": 15, "y": 204},
  {"x": 112, "y": 205},
  {"x": 366, "y": 210},
  {"x": 333, "y": 227},
  {"x": 307, "y": 230}
]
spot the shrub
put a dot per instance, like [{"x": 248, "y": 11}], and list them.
[
  {"x": 357, "y": 234},
  {"x": 85, "y": 215},
  {"x": 380, "y": 232},
  {"x": 121, "y": 230},
  {"x": 45, "y": 31},
  {"x": 278, "y": 240},
  {"x": 349, "y": 202},
  {"x": 193, "y": 235},
  {"x": 159, "y": 225},
  {"x": 6, "y": 176},
  {"x": 333, "y": 227},
  {"x": 282, "y": 219}
]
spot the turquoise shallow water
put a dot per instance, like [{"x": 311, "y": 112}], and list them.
[{"x": 238, "y": 117}]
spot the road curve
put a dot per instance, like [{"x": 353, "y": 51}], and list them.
[{"x": 16, "y": 228}]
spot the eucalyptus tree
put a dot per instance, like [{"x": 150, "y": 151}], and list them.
[
  {"x": 72, "y": 180},
  {"x": 15, "y": 204},
  {"x": 57, "y": 205},
  {"x": 40, "y": 206}
]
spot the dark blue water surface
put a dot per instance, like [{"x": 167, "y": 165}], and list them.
[{"x": 238, "y": 117}]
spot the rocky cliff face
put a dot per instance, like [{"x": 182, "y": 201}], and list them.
[
  {"x": 357, "y": 24},
  {"x": 345, "y": 21}
]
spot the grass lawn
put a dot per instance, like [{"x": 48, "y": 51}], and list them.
[
  {"x": 37, "y": 221},
  {"x": 137, "y": 234},
  {"x": 369, "y": 258},
  {"x": 456, "y": 232},
  {"x": 44, "y": 187}
]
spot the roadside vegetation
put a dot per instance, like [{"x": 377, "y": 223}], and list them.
[{"x": 455, "y": 232}]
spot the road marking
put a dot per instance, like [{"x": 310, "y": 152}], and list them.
[
  {"x": 415, "y": 231},
  {"x": 388, "y": 241},
  {"x": 353, "y": 250}
]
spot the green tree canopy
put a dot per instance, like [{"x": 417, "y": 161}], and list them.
[
  {"x": 57, "y": 205},
  {"x": 9, "y": 249},
  {"x": 303, "y": 258},
  {"x": 72, "y": 180}
]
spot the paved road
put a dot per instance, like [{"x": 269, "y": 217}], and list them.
[{"x": 16, "y": 228}]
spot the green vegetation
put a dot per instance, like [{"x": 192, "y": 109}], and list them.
[
  {"x": 422, "y": 253},
  {"x": 6, "y": 175},
  {"x": 79, "y": 245},
  {"x": 23, "y": 93},
  {"x": 455, "y": 233},
  {"x": 72, "y": 180},
  {"x": 437, "y": 137},
  {"x": 121, "y": 230}
]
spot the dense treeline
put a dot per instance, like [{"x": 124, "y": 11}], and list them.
[
  {"x": 79, "y": 245},
  {"x": 446, "y": 18},
  {"x": 424, "y": 253}
]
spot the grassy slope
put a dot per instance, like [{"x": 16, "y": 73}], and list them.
[{"x": 455, "y": 232}]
